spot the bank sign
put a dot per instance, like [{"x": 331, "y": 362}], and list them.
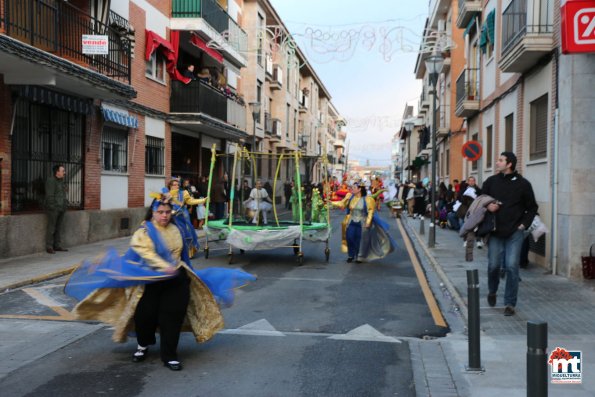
[{"x": 578, "y": 26}]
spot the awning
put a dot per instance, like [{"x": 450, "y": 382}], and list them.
[
  {"x": 169, "y": 51},
  {"x": 119, "y": 118},
  {"x": 44, "y": 96},
  {"x": 200, "y": 43},
  {"x": 487, "y": 31},
  {"x": 470, "y": 26}
]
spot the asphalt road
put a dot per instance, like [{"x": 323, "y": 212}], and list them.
[{"x": 320, "y": 329}]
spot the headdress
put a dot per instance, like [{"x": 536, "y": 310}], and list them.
[{"x": 159, "y": 199}]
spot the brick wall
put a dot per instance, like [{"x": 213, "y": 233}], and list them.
[
  {"x": 5, "y": 122},
  {"x": 136, "y": 165},
  {"x": 92, "y": 183}
]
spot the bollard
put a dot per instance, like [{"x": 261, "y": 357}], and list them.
[
  {"x": 537, "y": 377},
  {"x": 422, "y": 229},
  {"x": 473, "y": 322}
]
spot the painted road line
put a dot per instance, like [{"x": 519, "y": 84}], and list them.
[
  {"x": 45, "y": 300},
  {"x": 423, "y": 281}
]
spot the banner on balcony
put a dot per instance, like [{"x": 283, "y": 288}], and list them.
[
  {"x": 168, "y": 50},
  {"x": 200, "y": 43}
]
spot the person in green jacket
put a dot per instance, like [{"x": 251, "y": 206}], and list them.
[{"x": 55, "y": 206}]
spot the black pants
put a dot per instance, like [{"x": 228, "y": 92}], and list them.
[{"x": 163, "y": 305}]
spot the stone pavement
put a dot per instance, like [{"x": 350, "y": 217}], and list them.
[{"x": 568, "y": 306}]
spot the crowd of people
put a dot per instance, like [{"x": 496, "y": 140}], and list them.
[{"x": 215, "y": 79}]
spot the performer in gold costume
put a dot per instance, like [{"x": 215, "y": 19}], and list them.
[
  {"x": 181, "y": 200},
  {"x": 153, "y": 285}
]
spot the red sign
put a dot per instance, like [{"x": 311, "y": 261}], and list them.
[
  {"x": 578, "y": 26},
  {"x": 472, "y": 150}
]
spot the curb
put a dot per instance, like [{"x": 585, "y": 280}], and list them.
[
  {"x": 440, "y": 272},
  {"x": 38, "y": 279}
]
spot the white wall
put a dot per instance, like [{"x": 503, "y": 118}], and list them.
[
  {"x": 154, "y": 127},
  {"x": 155, "y": 20},
  {"x": 153, "y": 184},
  {"x": 489, "y": 65},
  {"x": 488, "y": 118},
  {"x": 508, "y": 105},
  {"x": 114, "y": 191}
]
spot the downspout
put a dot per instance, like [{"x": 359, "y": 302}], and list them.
[{"x": 555, "y": 183}]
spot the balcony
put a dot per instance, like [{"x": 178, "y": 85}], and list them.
[
  {"x": 467, "y": 10},
  {"x": 277, "y": 81},
  {"x": 54, "y": 32},
  {"x": 339, "y": 143},
  {"x": 468, "y": 93},
  {"x": 424, "y": 100},
  {"x": 210, "y": 20},
  {"x": 268, "y": 123},
  {"x": 276, "y": 131},
  {"x": 197, "y": 97},
  {"x": 527, "y": 35}
]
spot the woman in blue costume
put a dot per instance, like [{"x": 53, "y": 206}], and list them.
[
  {"x": 181, "y": 200},
  {"x": 153, "y": 285},
  {"x": 365, "y": 236}
]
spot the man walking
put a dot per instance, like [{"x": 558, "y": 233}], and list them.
[
  {"x": 55, "y": 205},
  {"x": 514, "y": 214}
]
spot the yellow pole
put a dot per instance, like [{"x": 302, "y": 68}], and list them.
[
  {"x": 275, "y": 186},
  {"x": 213, "y": 160},
  {"x": 233, "y": 185}
]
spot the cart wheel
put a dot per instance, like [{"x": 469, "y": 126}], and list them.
[
  {"x": 230, "y": 258},
  {"x": 242, "y": 252},
  {"x": 300, "y": 258},
  {"x": 327, "y": 254},
  {"x": 206, "y": 252},
  {"x": 296, "y": 250}
]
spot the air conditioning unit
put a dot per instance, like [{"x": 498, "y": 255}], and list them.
[{"x": 277, "y": 127}]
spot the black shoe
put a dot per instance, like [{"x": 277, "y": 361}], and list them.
[
  {"x": 60, "y": 249},
  {"x": 492, "y": 300},
  {"x": 50, "y": 251},
  {"x": 509, "y": 311},
  {"x": 173, "y": 365},
  {"x": 349, "y": 260},
  {"x": 140, "y": 354}
]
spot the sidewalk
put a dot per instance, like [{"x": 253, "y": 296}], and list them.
[{"x": 567, "y": 306}]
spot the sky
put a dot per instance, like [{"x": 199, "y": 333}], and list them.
[{"x": 364, "y": 52}]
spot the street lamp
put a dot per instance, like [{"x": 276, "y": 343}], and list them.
[
  {"x": 255, "y": 109},
  {"x": 434, "y": 66},
  {"x": 409, "y": 128}
]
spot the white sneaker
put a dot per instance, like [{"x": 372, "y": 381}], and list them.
[{"x": 480, "y": 244}]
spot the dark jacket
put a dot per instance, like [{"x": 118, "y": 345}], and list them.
[
  {"x": 518, "y": 202},
  {"x": 55, "y": 194},
  {"x": 218, "y": 193}
]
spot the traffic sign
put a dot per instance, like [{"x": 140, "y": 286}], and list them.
[
  {"x": 472, "y": 150},
  {"x": 577, "y": 26}
]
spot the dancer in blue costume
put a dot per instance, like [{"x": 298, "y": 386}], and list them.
[
  {"x": 180, "y": 199},
  {"x": 153, "y": 285},
  {"x": 365, "y": 236}
]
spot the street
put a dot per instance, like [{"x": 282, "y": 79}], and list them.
[{"x": 336, "y": 329}]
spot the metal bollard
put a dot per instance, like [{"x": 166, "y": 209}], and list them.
[
  {"x": 422, "y": 229},
  {"x": 537, "y": 376},
  {"x": 473, "y": 322}
]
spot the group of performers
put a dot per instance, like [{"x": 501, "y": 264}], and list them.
[{"x": 154, "y": 285}]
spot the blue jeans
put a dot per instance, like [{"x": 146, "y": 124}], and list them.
[
  {"x": 453, "y": 221},
  {"x": 353, "y": 235},
  {"x": 507, "y": 252}
]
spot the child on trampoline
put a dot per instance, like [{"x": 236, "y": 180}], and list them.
[{"x": 259, "y": 202}]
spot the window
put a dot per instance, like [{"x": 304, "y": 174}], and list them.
[
  {"x": 287, "y": 112},
  {"x": 154, "y": 156},
  {"x": 259, "y": 96},
  {"x": 474, "y": 163},
  {"x": 114, "y": 149},
  {"x": 489, "y": 149},
  {"x": 260, "y": 38},
  {"x": 447, "y": 161},
  {"x": 508, "y": 132},
  {"x": 155, "y": 67},
  {"x": 44, "y": 136},
  {"x": 538, "y": 137}
]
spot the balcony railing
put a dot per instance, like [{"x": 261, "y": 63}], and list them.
[
  {"x": 215, "y": 16},
  {"x": 518, "y": 21},
  {"x": 236, "y": 114},
  {"x": 198, "y": 97},
  {"x": 268, "y": 123},
  {"x": 57, "y": 27}
]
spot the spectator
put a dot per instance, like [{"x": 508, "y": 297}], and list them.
[
  {"x": 189, "y": 72},
  {"x": 55, "y": 206}
]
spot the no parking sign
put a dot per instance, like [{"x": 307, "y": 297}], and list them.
[{"x": 472, "y": 150}]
